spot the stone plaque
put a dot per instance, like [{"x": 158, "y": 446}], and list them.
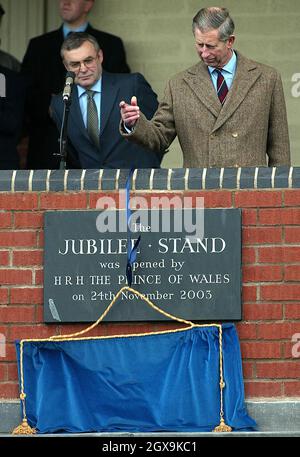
[{"x": 195, "y": 278}]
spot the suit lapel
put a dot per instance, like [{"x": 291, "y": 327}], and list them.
[
  {"x": 108, "y": 99},
  {"x": 198, "y": 78},
  {"x": 247, "y": 73},
  {"x": 76, "y": 116}
]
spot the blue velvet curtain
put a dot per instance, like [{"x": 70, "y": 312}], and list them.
[{"x": 164, "y": 382}]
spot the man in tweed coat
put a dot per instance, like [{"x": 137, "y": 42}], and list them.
[{"x": 249, "y": 128}]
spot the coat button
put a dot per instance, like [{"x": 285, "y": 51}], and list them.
[{"x": 235, "y": 134}]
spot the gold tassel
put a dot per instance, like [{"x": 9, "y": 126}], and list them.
[
  {"x": 222, "y": 427},
  {"x": 24, "y": 429}
]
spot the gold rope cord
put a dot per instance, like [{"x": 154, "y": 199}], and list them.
[{"x": 25, "y": 428}]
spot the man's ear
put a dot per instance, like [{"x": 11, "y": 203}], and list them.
[
  {"x": 230, "y": 41},
  {"x": 100, "y": 54},
  {"x": 88, "y": 6}
]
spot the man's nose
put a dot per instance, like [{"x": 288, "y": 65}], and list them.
[{"x": 204, "y": 51}]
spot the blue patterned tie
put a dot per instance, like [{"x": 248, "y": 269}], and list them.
[
  {"x": 222, "y": 88},
  {"x": 92, "y": 118}
]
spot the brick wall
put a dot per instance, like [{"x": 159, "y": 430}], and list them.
[{"x": 271, "y": 280}]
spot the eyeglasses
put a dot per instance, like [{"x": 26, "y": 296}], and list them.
[{"x": 88, "y": 63}]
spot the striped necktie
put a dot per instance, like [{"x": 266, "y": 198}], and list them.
[
  {"x": 222, "y": 88},
  {"x": 92, "y": 118}
]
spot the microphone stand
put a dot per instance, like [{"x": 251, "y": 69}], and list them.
[{"x": 63, "y": 135}]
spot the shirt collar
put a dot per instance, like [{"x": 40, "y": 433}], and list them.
[
  {"x": 229, "y": 67},
  {"x": 81, "y": 28},
  {"x": 96, "y": 87}
]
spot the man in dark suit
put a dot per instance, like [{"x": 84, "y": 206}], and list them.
[
  {"x": 43, "y": 67},
  {"x": 93, "y": 124},
  {"x": 12, "y": 95}
]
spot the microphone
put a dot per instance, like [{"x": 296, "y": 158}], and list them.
[{"x": 70, "y": 76}]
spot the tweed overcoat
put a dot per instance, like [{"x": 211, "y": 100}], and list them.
[{"x": 250, "y": 129}]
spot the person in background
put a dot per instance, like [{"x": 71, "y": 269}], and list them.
[
  {"x": 45, "y": 72},
  {"x": 227, "y": 110},
  {"x": 93, "y": 123},
  {"x": 6, "y": 59},
  {"x": 12, "y": 97}
]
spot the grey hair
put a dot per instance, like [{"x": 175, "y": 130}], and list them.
[
  {"x": 76, "y": 39},
  {"x": 214, "y": 18}
]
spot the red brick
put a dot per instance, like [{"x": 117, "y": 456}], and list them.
[
  {"x": 278, "y": 370},
  {"x": 5, "y": 219},
  {"x": 213, "y": 199},
  {"x": 261, "y": 235},
  {"x": 9, "y": 390},
  {"x": 10, "y": 352},
  {"x": 249, "y": 293},
  {"x": 17, "y": 314},
  {"x": 18, "y": 238},
  {"x": 292, "y": 311},
  {"x": 26, "y": 295},
  {"x": 248, "y": 369},
  {"x": 276, "y": 254},
  {"x": 258, "y": 198},
  {"x": 29, "y": 220},
  {"x": 277, "y": 330},
  {"x": 41, "y": 239},
  {"x": 27, "y": 258},
  {"x": 279, "y": 216},
  {"x": 260, "y": 350},
  {"x": 4, "y": 258},
  {"x": 262, "y": 389},
  {"x": 292, "y": 235},
  {"x": 3, "y": 296},
  {"x": 249, "y": 217},
  {"x": 248, "y": 255},
  {"x": 18, "y": 332},
  {"x": 291, "y": 197},
  {"x": 291, "y": 349},
  {"x": 3, "y": 374},
  {"x": 258, "y": 273},
  {"x": 12, "y": 372},
  {"x": 11, "y": 276},
  {"x": 246, "y": 331},
  {"x": 63, "y": 201},
  {"x": 291, "y": 388},
  {"x": 292, "y": 273},
  {"x": 282, "y": 292},
  {"x": 262, "y": 311},
  {"x": 104, "y": 199},
  {"x": 160, "y": 200},
  {"x": 39, "y": 277},
  {"x": 39, "y": 313},
  {"x": 18, "y": 201}
]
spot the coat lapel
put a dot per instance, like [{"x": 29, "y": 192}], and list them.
[
  {"x": 247, "y": 73},
  {"x": 108, "y": 99},
  {"x": 198, "y": 78},
  {"x": 76, "y": 116}
]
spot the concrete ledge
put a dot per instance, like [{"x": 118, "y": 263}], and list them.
[
  {"x": 156, "y": 179},
  {"x": 273, "y": 417}
]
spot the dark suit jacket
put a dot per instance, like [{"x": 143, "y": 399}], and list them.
[
  {"x": 11, "y": 115},
  {"x": 114, "y": 151},
  {"x": 42, "y": 64}
]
